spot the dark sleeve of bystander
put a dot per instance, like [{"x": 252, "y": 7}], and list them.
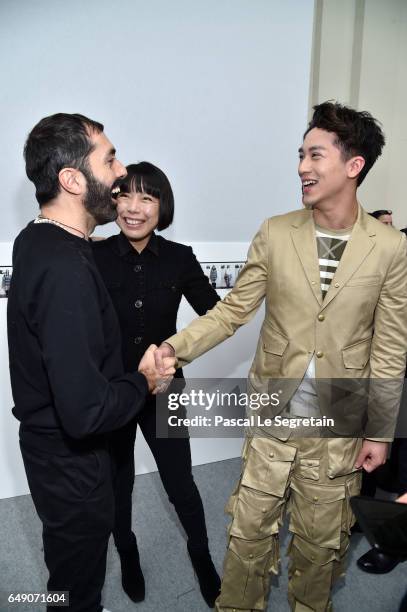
[{"x": 196, "y": 286}]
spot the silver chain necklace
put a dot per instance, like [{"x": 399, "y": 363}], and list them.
[{"x": 42, "y": 219}]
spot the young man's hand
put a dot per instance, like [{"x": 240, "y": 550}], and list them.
[
  {"x": 372, "y": 454},
  {"x": 164, "y": 351},
  {"x": 157, "y": 381}
]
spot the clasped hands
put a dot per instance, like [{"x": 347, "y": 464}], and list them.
[{"x": 158, "y": 366}]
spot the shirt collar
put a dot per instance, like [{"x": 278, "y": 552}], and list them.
[{"x": 125, "y": 246}]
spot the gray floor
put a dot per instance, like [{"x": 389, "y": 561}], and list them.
[{"x": 170, "y": 583}]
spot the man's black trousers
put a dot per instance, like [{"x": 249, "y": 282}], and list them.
[{"x": 73, "y": 495}]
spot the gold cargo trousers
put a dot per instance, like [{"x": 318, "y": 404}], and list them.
[{"x": 313, "y": 479}]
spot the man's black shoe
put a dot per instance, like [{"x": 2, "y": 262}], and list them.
[
  {"x": 377, "y": 562},
  {"x": 208, "y": 578},
  {"x": 132, "y": 575}
]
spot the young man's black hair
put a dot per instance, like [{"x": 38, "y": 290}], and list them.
[{"x": 358, "y": 133}]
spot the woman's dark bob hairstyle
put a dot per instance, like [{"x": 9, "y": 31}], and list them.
[{"x": 147, "y": 178}]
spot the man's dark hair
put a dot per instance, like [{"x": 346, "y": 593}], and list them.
[
  {"x": 379, "y": 213},
  {"x": 57, "y": 142},
  {"x": 147, "y": 178},
  {"x": 357, "y": 132}
]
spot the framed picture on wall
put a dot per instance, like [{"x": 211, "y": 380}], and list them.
[
  {"x": 5, "y": 278},
  {"x": 222, "y": 274}
]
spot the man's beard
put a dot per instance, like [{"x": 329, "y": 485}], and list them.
[{"x": 98, "y": 199}]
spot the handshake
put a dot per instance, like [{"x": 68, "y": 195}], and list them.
[{"x": 158, "y": 366}]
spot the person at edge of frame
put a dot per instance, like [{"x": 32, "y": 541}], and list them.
[
  {"x": 335, "y": 284},
  {"x": 403, "y": 541},
  {"x": 146, "y": 276},
  {"x": 384, "y": 216},
  {"x": 392, "y": 533},
  {"x": 391, "y": 477},
  {"x": 68, "y": 383}
]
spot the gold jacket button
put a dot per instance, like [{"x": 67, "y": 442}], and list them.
[
  {"x": 319, "y": 354},
  {"x": 315, "y": 498},
  {"x": 321, "y": 317},
  {"x": 271, "y": 454},
  {"x": 337, "y": 285}
]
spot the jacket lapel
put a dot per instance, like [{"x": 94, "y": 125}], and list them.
[
  {"x": 359, "y": 246},
  {"x": 303, "y": 236}
]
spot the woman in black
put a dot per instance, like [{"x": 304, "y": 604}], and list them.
[{"x": 146, "y": 276}]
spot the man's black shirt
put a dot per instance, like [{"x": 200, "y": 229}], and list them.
[
  {"x": 146, "y": 289},
  {"x": 64, "y": 340}
]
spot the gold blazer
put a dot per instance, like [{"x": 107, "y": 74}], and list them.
[{"x": 359, "y": 330}]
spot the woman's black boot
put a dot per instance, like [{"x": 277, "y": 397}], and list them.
[
  {"x": 132, "y": 575},
  {"x": 208, "y": 578}
]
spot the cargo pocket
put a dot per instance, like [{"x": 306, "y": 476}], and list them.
[
  {"x": 355, "y": 356},
  {"x": 245, "y": 447},
  {"x": 247, "y": 573},
  {"x": 352, "y": 487},
  {"x": 231, "y": 503},
  {"x": 342, "y": 454},
  {"x": 339, "y": 567},
  {"x": 309, "y": 553},
  {"x": 308, "y": 469},
  {"x": 273, "y": 345},
  {"x": 310, "y": 572},
  {"x": 273, "y": 342},
  {"x": 268, "y": 466},
  {"x": 316, "y": 512},
  {"x": 257, "y": 515},
  {"x": 259, "y": 503}
]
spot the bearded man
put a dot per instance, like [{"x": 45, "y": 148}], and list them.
[{"x": 67, "y": 376}]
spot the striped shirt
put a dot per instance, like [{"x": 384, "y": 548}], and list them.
[{"x": 331, "y": 245}]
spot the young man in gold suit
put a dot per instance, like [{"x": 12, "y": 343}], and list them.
[{"x": 334, "y": 337}]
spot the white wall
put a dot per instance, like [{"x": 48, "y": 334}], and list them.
[
  {"x": 214, "y": 92},
  {"x": 359, "y": 58}
]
